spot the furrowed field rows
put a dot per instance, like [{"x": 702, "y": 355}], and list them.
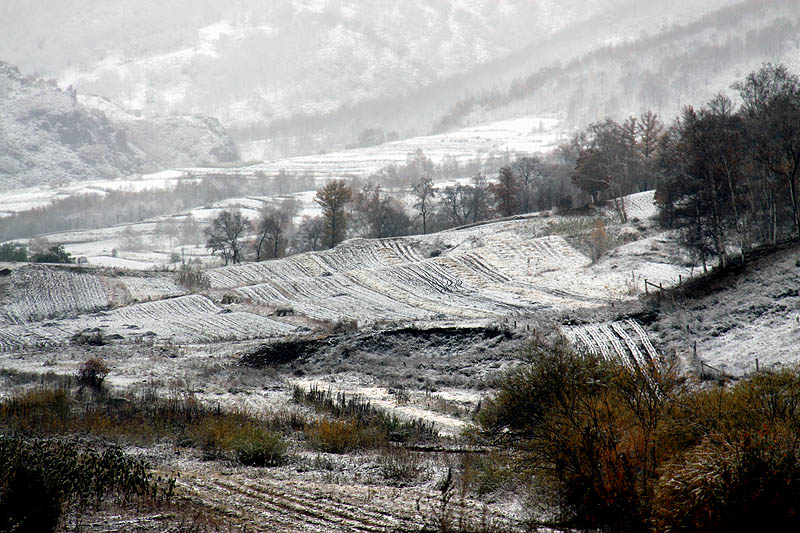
[
  {"x": 172, "y": 307},
  {"x": 40, "y": 293},
  {"x": 623, "y": 341},
  {"x": 472, "y": 268},
  {"x": 331, "y": 298},
  {"x": 15, "y": 337},
  {"x": 253, "y": 273},
  {"x": 151, "y": 288},
  {"x": 352, "y": 255},
  {"x": 263, "y": 504},
  {"x": 191, "y": 318},
  {"x": 430, "y": 285}
]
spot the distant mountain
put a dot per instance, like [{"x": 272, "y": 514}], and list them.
[
  {"x": 684, "y": 64},
  {"x": 49, "y": 135},
  {"x": 312, "y": 75}
]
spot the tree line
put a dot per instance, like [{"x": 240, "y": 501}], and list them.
[
  {"x": 729, "y": 172},
  {"x": 367, "y": 209}
]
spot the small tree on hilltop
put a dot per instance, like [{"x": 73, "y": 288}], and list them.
[
  {"x": 425, "y": 193},
  {"x": 505, "y": 192},
  {"x": 226, "y": 235},
  {"x": 333, "y": 198}
]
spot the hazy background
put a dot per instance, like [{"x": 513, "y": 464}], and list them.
[{"x": 302, "y": 76}]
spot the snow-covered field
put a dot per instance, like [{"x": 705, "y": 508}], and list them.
[
  {"x": 523, "y": 135},
  {"x": 484, "y": 272},
  {"x": 527, "y": 135}
]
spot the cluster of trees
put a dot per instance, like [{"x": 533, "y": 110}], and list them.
[
  {"x": 616, "y": 159},
  {"x": 730, "y": 177},
  {"x": 369, "y": 210},
  {"x": 41, "y": 251}
]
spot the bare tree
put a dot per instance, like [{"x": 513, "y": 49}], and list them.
[
  {"x": 771, "y": 105},
  {"x": 455, "y": 204},
  {"x": 479, "y": 198},
  {"x": 189, "y": 230},
  {"x": 378, "y": 215},
  {"x": 226, "y": 234},
  {"x": 309, "y": 235},
  {"x": 505, "y": 192},
  {"x": 604, "y": 164},
  {"x": 270, "y": 239},
  {"x": 131, "y": 240},
  {"x": 425, "y": 193},
  {"x": 528, "y": 171},
  {"x": 650, "y": 130}
]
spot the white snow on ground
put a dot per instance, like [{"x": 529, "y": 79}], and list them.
[
  {"x": 381, "y": 397},
  {"x": 522, "y": 135},
  {"x": 483, "y": 272},
  {"x": 40, "y": 196},
  {"x": 773, "y": 340}
]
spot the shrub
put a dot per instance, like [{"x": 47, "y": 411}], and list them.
[
  {"x": 375, "y": 426},
  {"x": 258, "y": 447},
  {"x": 192, "y": 279},
  {"x": 488, "y": 473},
  {"x": 732, "y": 486},
  {"x": 334, "y": 436},
  {"x": 148, "y": 418},
  {"x": 13, "y": 252},
  {"x": 587, "y": 428},
  {"x": 636, "y": 450},
  {"x": 237, "y": 436},
  {"x": 92, "y": 373},
  {"x": 36, "y": 411},
  {"x": 400, "y": 465},
  {"x": 42, "y": 479},
  {"x": 54, "y": 254}
]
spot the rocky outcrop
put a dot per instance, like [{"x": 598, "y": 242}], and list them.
[{"x": 50, "y": 136}]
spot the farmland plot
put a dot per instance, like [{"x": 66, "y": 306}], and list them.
[
  {"x": 625, "y": 341},
  {"x": 351, "y": 255},
  {"x": 142, "y": 288},
  {"x": 277, "y": 503},
  {"x": 41, "y": 292},
  {"x": 335, "y": 297},
  {"x": 190, "y": 319}
]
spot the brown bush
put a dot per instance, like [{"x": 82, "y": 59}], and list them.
[
  {"x": 638, "y": 450},
  {"x": 92, "y": 373}
]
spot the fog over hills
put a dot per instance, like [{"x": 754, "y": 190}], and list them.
[{"x": 310, "y": 75}]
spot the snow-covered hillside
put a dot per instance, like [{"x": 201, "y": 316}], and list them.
[
  {"x": 486, "y": 272},
  {"x": 311, "y": 74},
  {"x": 50, "y": 137},
  {"x": 519, "y": 136}
]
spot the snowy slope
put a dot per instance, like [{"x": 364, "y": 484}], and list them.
[{"x": 49, "y": 136}]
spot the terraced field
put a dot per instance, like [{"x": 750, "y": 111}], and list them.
[
  {"x": 623, "y": 341},
  {"x": 41, "y": 292},
  {"x": 486, "y": 272}
]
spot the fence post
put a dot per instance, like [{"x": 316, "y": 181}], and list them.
[
  {"x": 646, "y": 291},
  {"x": 756, "y": 364}
]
